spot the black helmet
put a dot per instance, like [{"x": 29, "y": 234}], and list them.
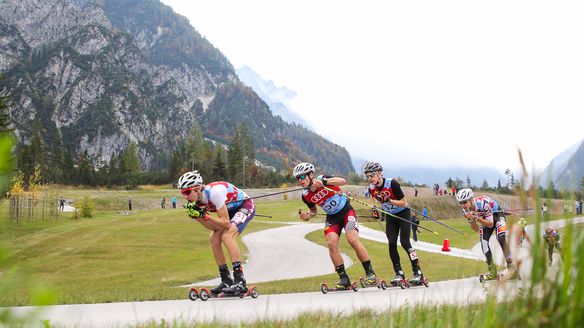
[{"x": 372, "y": 167}]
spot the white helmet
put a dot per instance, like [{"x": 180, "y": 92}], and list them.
[
  {"x": 372, "y": 167},
  {"x": 303, "y": 168},
  {"x": 190, "y": 179},
  {"x": 464, "y": 194}
]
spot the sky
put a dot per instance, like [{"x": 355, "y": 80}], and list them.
[{"x": 417, "y": 83}]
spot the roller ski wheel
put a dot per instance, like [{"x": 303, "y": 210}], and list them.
[
  {"x": 193, "y": 294},
  {"x": 380, "y": 284},
  {"x": 325, "y": 289},
  {"x": 403, "y": 284},
  {"x": 204, "y": 294}
]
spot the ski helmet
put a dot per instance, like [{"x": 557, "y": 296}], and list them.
[
  {"x": 303, "y": 168},
  {"x": 190, "y": 179},
  {"x": 464, "y": 194},
  {"x": 372, "y": 167}
]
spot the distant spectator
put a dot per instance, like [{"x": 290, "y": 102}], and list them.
[
  {"x": 163, "y": 203},
  {"x": 174, "y": 202},
  {"x": 415, "y": 230},
  {"x": 61, "y": 204},
  {"x": 415, "y": 191},
  {"x": 544, "y": 209},
  {"x": 129, "y": 203},
  {"x": 454, "y": 191},
  {"x": 425, "y": 212}
]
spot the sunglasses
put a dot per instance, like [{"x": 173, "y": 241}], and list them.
[
  {"x": 463, "y": 202},
  {"x": 301, "y": 177},
  {"x": 187, "y": 191},
  {"x": 371, "y": 175}
]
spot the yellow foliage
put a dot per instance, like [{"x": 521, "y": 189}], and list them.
[
  {"x": 17, "y": 187},
  {"x": 35, "y": 183}
]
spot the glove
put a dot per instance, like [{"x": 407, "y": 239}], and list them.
[
  {"x": 194, "y": 211},
  {"x": 322, "y": 179},
  {"x": 473, "y": 218},
  {"x": 375, "y": 214},
  {"x": 383, "y": 198}
]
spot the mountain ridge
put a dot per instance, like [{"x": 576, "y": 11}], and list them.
[{"x": 108, "y": 73}]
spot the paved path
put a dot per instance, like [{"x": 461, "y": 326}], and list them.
[
  {"x": 284, "y": 253},
  {"x": 278, "y": 306}
]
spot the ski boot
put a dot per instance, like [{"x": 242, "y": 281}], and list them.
[
  {"x": 239, "y": 287},
  {"x": 418, "y": 279},
  {"x": 399, "y": 280},
  {"x": 226, "y": 281},
  {"x": 371, "y": 280},
  {"x": 343, "y": 284},
  {"x": 489, "y": 276}
]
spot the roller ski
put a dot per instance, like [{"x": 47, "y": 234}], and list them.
[
  {"x": 344, "y": 284},
  {"x": 399, "y": 280},
  {"x": 418, "y": 280},
  {"x": 372, "y": 281},
  {"x": 204, "y": 294}
]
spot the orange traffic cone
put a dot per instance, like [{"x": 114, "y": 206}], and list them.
[{"x": 446, "y": 246}]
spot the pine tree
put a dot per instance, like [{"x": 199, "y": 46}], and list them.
[
  {"x": 56, "y": 160},
  {"x": 235, "y": 159},
  {"x": 132, "y": 167},
  {"x": 195, "y": 147},
  {"x": 219, "y": 165},
  {"x": 5, "y": 121},
  {"x": 6, "y": 141},
  {"x": 84, "y": 170},
  {"x": 68, "y": 167},
  {"x": 37, "y": 147},
  {"x": 248, "y": 160},
  {"x": 175, "y": 166}
]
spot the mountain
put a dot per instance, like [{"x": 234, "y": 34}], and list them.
[
  {"x": 106, "y": 73},
  {"x": 558, "y": 165},
  {"x": 275, "y": 97},
  {"x": 567, "y": 169}
]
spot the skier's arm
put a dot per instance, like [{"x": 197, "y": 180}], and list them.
[
  {"x": 222, "y": 217},
  {"x": 305, "y": 216}
]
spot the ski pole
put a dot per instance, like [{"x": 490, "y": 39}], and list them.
[
  {"x": 264, "y": 216},
  {"x": 431, "y": 218},
  {"x": 515, "y": 210},
  {"x": 367, "y": 217},
  {"x": 266, "y": 195},
  {"x": 379, "y": 210}
]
